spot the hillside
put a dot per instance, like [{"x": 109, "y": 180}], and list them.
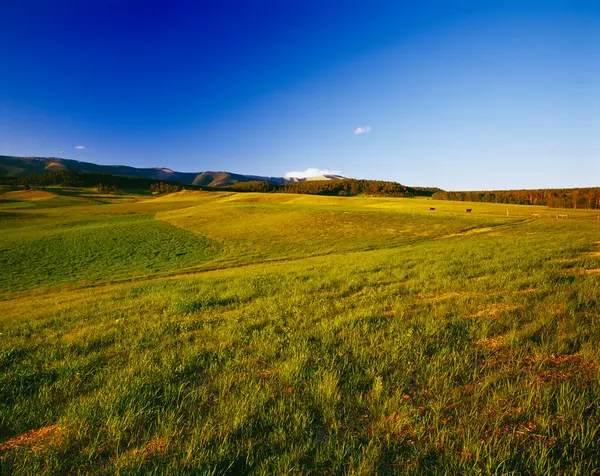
[
  {"x": 16, "y": 167},
  {"x": 56, "y": 171},
  {"x": 220, "y": 179},
  {"x": 19, "y": 167},
  {"x": 252, "y": 333}
]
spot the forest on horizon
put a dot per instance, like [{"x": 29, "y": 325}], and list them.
[{"x": 582, "y": 198}]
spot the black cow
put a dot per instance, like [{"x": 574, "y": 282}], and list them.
[
  {"x": 468, "y": 210},
  {"x": 431, "y": 208}
]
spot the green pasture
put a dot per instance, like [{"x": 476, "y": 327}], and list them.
[{"x": 221, "y": 333}]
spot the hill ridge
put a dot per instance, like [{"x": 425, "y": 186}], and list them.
[{"x": 18, "y": 167}]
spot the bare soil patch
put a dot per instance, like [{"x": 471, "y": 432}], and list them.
[
  {"x": 473, "y": 231},
  {"x": 586, "y": 271},
  {"x": 34, "y": 439},
  {"x": 495, "y": 310}
]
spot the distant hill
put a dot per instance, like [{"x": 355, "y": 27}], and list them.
[
  {"x": 19, "y": 167},
  {"x": 50, "y": 171},
  {"x": 225, "y": 179}
]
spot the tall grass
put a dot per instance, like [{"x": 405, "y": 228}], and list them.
[{"x": 442, "y": 352}]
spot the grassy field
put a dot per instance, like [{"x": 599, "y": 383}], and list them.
[{"x": 221, "y": 333}]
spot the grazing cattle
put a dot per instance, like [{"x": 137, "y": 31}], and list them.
[
  {"x": 562, "y": 215},
  {"x": 431, "y": 209},
  {"x": 469, "y": 210},
  {"x": 535, "y": 215}
]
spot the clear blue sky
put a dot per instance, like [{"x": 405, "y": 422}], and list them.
[{"x": 461, "y": 95}]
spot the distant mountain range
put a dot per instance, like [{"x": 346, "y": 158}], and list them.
[{"x": 17, "y": 167}]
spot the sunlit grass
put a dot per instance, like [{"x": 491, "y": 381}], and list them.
[
  {"x": 428, "y": 350},
  {"x": 96, "y": 250}
]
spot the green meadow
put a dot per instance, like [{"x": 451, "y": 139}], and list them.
[{"x": 243, "y": 333}]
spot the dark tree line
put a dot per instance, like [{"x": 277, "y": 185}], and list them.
[
  {"x": 83, "y": 179},
  {"x": 426, "y": 191},
  {"x": 163, "y": 187},
  {"x": 107, "y": 188},
  {"x": 342, "y": 187},
  {"x": 348, "y": 187},
  {"x": 62, "y": 178},
  {"x": 252, "y": 186},
  {"x": 556, "y": 198}
]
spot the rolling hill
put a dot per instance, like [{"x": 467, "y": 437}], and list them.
[
  {"x": 18, "y": 167},
  {"x": 295, "y": 334}
]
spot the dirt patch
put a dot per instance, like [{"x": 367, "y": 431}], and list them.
[
  {"x": 590, "y": 254},
  {"x": 34, "y": 439},
  {"x": 536, "y": 370},
  {"x": 155, "y": 447},
  {"x": 493, "y": 343},
  {"x": 438, "y": 297},
  {"x": 473, "y": 231},
  {"x": 563, "y": 260},
  {"x": 560, "y": 368},
  {"x": 528, "y": 291},
  {"x": 586, "y": 271},
  {"x": 558, "y": 309},
  {"x": 478, "y": 230},
  {"x": 495, "y": 310}
]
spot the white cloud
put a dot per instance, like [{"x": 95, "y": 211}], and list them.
[
  {"x": 362, "y": 130},
  {"x": 310, "y": 172},
  {"x": 80, "y": 147}
]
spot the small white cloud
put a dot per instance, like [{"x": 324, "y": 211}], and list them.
[
  {"x": 310, "y": 172},
  {"x": 362, "y": 130},
  {"x": 80, "y": 147}
]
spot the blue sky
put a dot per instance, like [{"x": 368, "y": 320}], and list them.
[{"x": 461, "y": 95}]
